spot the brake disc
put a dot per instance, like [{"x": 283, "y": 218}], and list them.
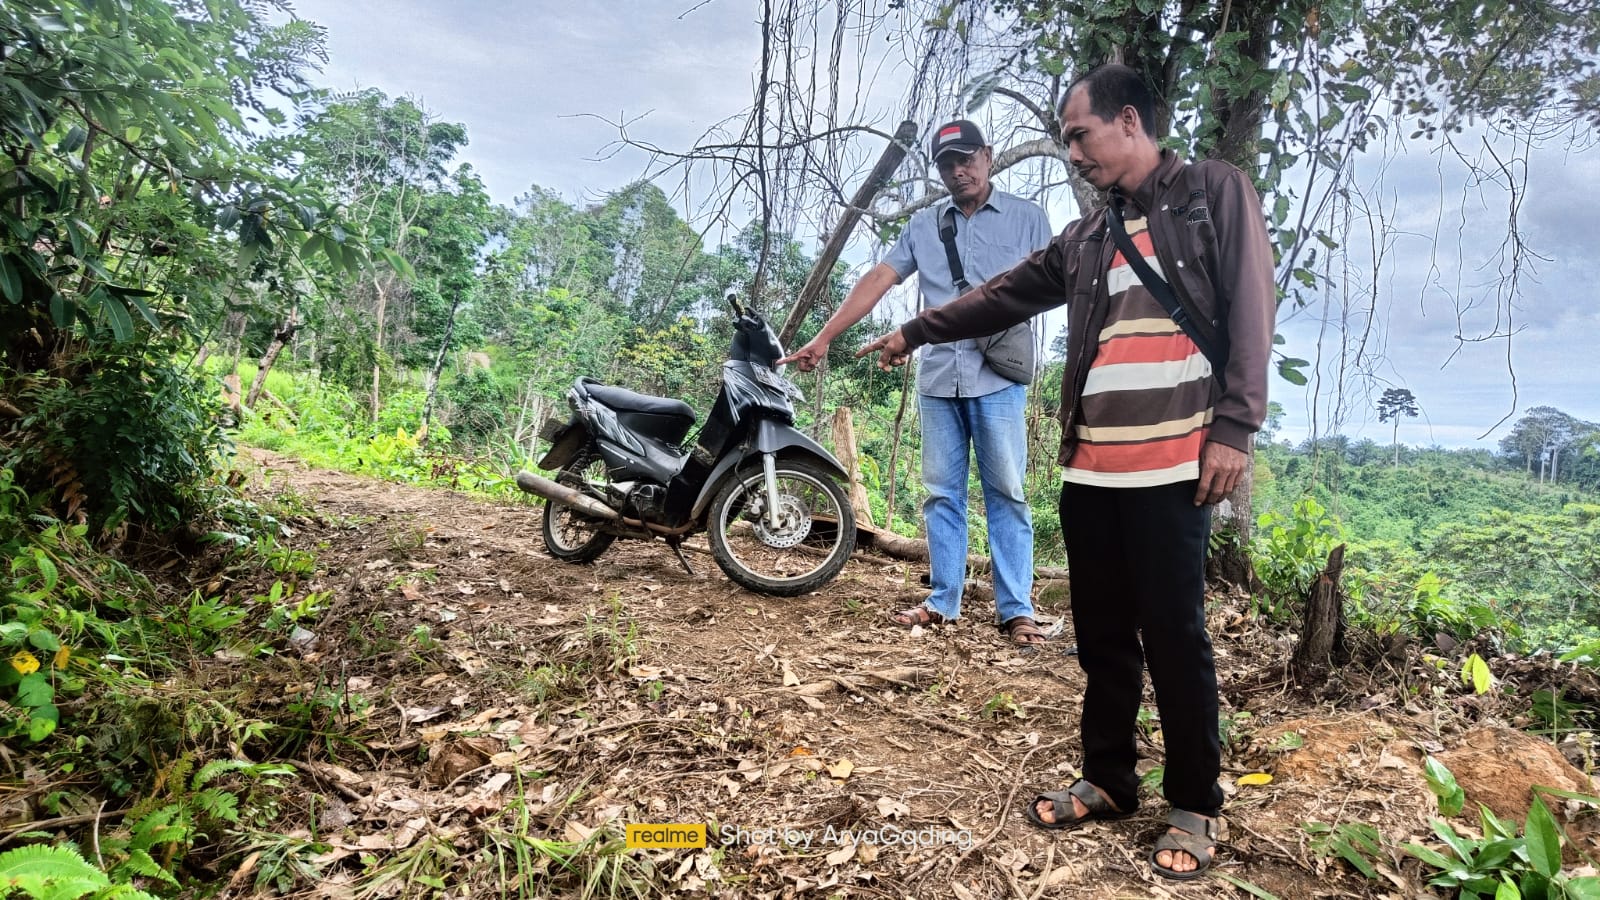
[{"x": 794, "y": 523}]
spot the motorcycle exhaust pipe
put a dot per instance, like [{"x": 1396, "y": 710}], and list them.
[{"x": 560, "y": 493}]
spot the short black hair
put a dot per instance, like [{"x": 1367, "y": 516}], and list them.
[{"x": 1113, "y": 86}]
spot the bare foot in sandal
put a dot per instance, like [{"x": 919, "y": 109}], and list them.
[
  {"x": 916, "y": 615},
  {"x": 1188, "y": 847},
  {"x": 1089, "y": 803}
]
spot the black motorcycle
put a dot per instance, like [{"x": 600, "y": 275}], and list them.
[{"x": 771, "y": 500}]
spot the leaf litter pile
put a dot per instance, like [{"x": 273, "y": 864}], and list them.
[{"x": 487, "y": 721}]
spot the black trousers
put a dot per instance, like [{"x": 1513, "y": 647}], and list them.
[{"x": 1137, "y": 563}]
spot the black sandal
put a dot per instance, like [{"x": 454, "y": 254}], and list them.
[
  {"x": 1096, "y": 807},
  {"x": 1198, "y": 838}
]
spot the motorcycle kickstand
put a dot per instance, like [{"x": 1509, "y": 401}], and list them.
[{"x": 677, "y": 547}]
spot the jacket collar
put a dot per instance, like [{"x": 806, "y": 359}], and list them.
[
  {"x": 993, "y": 202},
  {"x": 1156, "y": 183}
]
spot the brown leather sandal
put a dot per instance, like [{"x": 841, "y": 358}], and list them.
[
  {"x": 1024, "y": 632},
  {"x": 916, "y": 615}
]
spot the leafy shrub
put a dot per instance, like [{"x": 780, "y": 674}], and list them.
[
  {"x": 1290, "y": 551},
  {"x": 477, "y": 406},
  {"x": 1504, "y": 861},
  {"x": 127, "y": 436}
]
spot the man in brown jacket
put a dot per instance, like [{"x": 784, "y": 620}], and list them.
[{"x": 1157, "y": 416}]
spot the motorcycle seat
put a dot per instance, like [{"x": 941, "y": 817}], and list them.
[{"x": 624, "y": 400}]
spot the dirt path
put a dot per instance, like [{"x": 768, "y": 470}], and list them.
[{"x": 472, "y": 688}]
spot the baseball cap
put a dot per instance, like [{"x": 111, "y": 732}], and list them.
[{"x": 961, "y": 136}]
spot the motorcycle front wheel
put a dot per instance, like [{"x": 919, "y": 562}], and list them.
[
  {"x": 815, "y": 532},
  {"x": 570, "y": 535}
]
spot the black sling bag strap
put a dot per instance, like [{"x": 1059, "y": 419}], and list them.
[
  {"x": 1197, "y": 327},
  {"x": 947, "y": 234}
]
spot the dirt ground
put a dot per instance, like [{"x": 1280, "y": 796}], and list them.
[{"x": 480, "y": 688}]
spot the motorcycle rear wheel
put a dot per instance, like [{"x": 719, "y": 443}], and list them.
[
  {"x": 814, "y": 538},
  {"x": 570, "y": 535}
]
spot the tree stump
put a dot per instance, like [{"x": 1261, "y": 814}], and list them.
[
  {"x": 844, "y": 447},
  {"x": 1322, "y": 631}
]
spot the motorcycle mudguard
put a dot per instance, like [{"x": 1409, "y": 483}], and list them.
[
  {"x": 769, "y": 437},
  {"x": 564, "y": 446}
]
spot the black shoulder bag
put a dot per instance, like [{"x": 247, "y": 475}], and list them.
[
  {"x": 1207, "y": 334},
  {"x": 1009, "y": 353}
]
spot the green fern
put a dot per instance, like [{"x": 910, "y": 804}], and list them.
[
  {"x": 48, "y": 873},
  {"x": 217, "y": 804},
  {"x": 218, "y": 767},
  {"x": 140, "y": 862},
  {"x": 123, "y": 892}
]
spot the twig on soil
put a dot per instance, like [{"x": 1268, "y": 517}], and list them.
[
  {"x": 59, "y": 822},
  {"x": 1293, "y": 857},
  {"x": 401, "y": 710},
  {"x": 1004, "y": 811},
  {"x": 1016, "y": 889},
  {"x": 458, "y": 779},
  {"x": 945, "y": 726},
  {"x": 99, "y": 860},
  {"x": 1044, "y": 876},
  {"x": 316, "y": 772}
]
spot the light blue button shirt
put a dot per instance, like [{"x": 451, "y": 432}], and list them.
[{"x": 998, "y": 236}]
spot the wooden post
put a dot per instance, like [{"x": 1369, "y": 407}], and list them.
[
  {"x": 822, "y": 270},
  {"x": 844, "y": 447}
]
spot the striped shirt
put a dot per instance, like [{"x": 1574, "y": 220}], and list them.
[{"x": 1146, "y": 407}]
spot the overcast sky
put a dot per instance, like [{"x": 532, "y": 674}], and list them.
[{"x": 528, "y": 79}]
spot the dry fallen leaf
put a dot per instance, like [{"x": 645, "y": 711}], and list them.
[
  {"x": 1254, "y": 778},
  {"x": 1015, "y": 859},
  {"x": 800, "y": 751},
  {"x": 890, "y": 808},
  {"x": 867, "y": 853},
  {"x": 1060, "y": 875},
  {"x": 842, "y": 768},
  {"x": 790, "y": 679},
  {"x": 750, "y": 769},
  {"x": 842, "y": 855}
]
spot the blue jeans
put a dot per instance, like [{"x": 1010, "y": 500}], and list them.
[{"x": 994, "y": 426}]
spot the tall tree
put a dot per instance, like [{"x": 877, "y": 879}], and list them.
[
  {"x": 1394, "y": 403},
  {"x": 385, "y": 158},
  {"x": 131, "y": 198}
]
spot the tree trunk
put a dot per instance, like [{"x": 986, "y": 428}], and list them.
[
  {"x": 377, "y": 345},
  {"x": 822, "y": 270},
  {"x": 894, "y": 451},
  {"x": 844, "y": 447},
  {"x": 280, "y": 339},
  {"x": 1228, "y": 562},
  {"x": 1321, "y": 644},
  {"x": 432, "y": 386}
]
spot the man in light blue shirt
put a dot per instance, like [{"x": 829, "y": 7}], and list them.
[{"x": 964, "y": 403}]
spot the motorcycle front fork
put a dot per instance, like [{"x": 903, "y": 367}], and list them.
[{"x": 769, "y": 468}]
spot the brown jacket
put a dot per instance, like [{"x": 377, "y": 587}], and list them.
[{"x": 1224, "y": 251}]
